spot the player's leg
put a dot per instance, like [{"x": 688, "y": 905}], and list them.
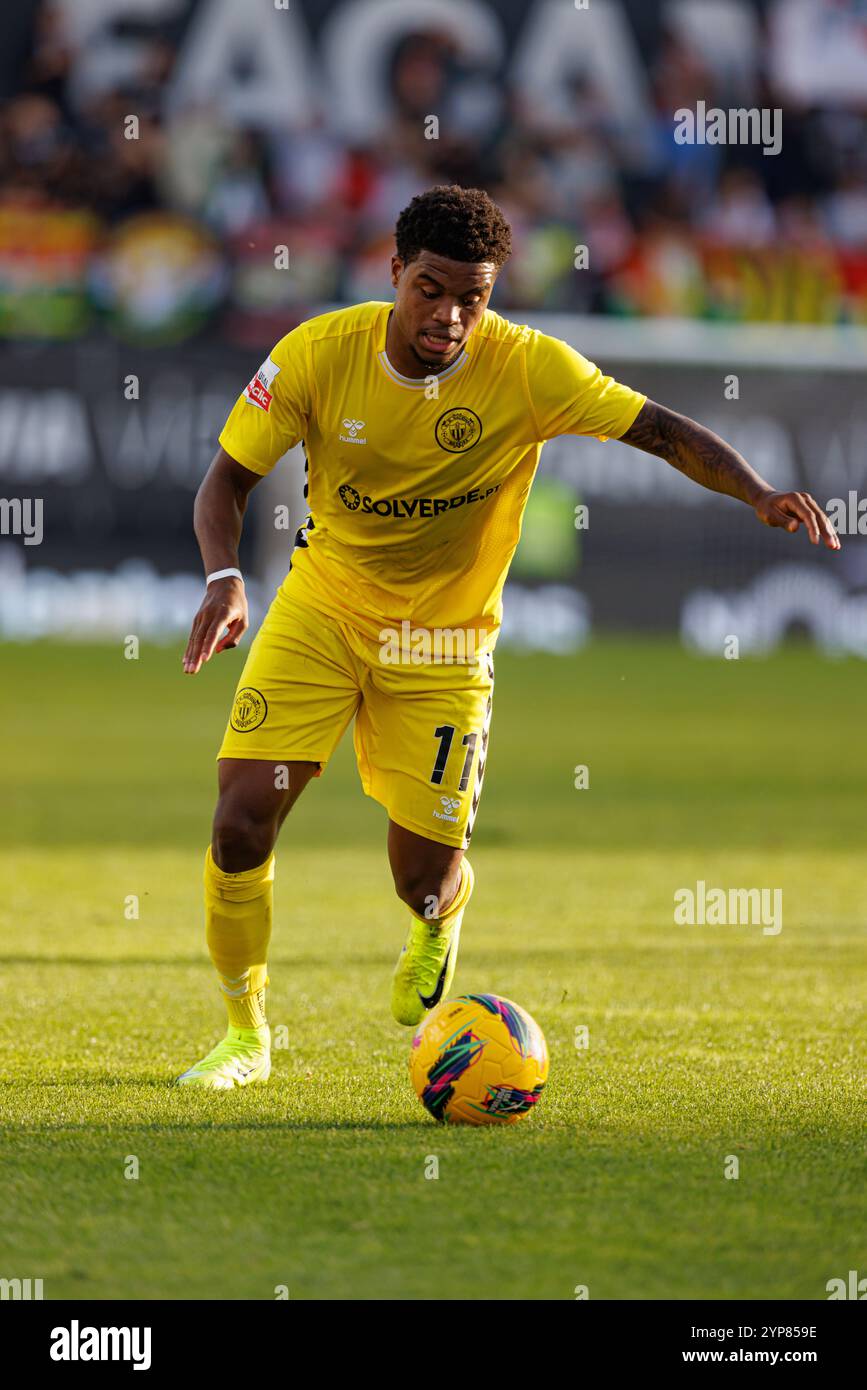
[
  {"x": 421, "y": 738},
  {"x": 426, "y": 873},
  {"x": 435, "y": 881},
  {"x": 256, "y": 795},
  {"x": 255, "y": 798},
  {"x": 297, "y": 693}
]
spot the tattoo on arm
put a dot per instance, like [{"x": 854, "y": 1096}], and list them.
[{"x": 695, "y": 451}]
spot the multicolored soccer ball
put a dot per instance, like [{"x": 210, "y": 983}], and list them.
[{"x": 479, "y": 1060}]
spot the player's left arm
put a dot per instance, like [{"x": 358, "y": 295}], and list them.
[{"x": 707, "y": 459}]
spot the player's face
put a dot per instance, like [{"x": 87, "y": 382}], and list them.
[{"x": 437, "y": 305}]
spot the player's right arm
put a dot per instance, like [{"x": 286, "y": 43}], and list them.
[
  {"x": 218, "y": 516},
  {"x": 270, "y": 416}
]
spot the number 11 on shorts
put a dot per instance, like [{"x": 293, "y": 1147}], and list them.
[{"x": 445, "y": 733}]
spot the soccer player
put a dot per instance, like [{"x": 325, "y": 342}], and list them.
[{"x": 422, "y": 423}]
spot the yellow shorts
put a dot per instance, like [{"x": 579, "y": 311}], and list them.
[{"x": 421, "y": 731}]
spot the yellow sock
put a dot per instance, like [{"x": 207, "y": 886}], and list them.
[
  {"x": 238, "y": 911},
  {"x": 455, "y": 910}
]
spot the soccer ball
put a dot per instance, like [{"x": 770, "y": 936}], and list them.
[{"x": 478, "y": 1060}]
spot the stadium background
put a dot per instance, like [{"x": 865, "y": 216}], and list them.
[
  {"x": 153, "y": 259},
  {"x": 305, "y": 127}
]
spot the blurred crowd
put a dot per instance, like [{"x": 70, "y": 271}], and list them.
[{"x": 178, "y": 225}]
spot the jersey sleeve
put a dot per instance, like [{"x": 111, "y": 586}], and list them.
[
  {"x": 271, "y": 413},
  {"x": 570, "y": 395}
]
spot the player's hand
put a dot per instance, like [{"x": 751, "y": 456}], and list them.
[
  {"x": 220, "y": 622},
  {"x": 793, "y": 509}
]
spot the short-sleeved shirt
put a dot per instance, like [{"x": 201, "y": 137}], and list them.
[{"x": 416, "y": 487}]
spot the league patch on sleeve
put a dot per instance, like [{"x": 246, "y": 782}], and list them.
[{"x": 258, "y": 392}]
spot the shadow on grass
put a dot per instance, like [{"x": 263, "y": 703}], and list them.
[
  {"x": 199, "y": 1118},
  {"x": 664, "y": 939},
  {"x": 207, "y": 1112},
  {"x": 206, "y": 1125}
]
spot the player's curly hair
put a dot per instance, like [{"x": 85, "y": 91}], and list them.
[{"x": 463, "y": 224}]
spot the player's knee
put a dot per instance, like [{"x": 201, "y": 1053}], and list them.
[
  {"x": 240, "y": 840},
  {"x": 426, "y": 892}
]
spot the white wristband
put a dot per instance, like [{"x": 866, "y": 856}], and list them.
[{"x": 224, "y": 574}]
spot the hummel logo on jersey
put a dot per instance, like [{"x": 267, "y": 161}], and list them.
[
  {"x": 352, "y": 427},
  {"x": 450, "y": 803}
]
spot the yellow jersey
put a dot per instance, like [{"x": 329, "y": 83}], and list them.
[{"x": 416, "y": 488}]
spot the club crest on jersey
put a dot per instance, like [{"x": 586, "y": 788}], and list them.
[
  {"x": 258, "y": 392},
  {"x": 249, "y": 710},
  {"x": 458, "y": 430}
]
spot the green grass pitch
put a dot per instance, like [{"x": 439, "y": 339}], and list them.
[{"x": 704, "y": 1041}]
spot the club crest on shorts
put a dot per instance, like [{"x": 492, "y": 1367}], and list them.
[
  {"x": 458, "y": 430},
  {"x": 249, "y": 710}
]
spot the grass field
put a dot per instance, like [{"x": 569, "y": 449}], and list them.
[{"x": 705, "y": 1041}]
